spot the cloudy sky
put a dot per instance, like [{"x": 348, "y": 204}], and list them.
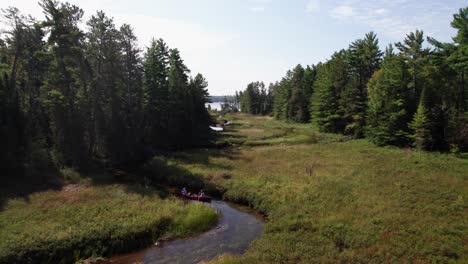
[{"x": 233, "y": 42}]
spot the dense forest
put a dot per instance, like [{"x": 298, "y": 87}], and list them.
[
  {"x": 412, "y": 94},
  {"x": 74, "y": 97}
]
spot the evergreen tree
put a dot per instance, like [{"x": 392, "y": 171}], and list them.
[
  {"x": 179, "y": 101},
  {"x": 256, "y": 99},
  {"x": 324, "y": 102},
  {"x": 297, "y": 105},
  {"x": 200, "y": 118},
  {"x": 421, "y": 127},
  {"x": 388, "y": 102},
  {"x": 157, "y": 105},
  {"x": 104, "y": 53},
  {"x": 132, "y": 78},
  {"x": 282, "y": 95},
  {"x": 65, "y": 82},
  {"x": 415, "y": 56},
  {"x": 364, "y": 60},
  {"x": 331, "y": 82}
]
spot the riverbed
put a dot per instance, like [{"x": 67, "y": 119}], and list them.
[{"x": 237, "y": 228}]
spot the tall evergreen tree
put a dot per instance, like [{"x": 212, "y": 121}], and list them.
[
  {"x": 331, "y": 81},
  {"x": 179, "y": 99},
  {"x": 297, "y": 104},
  {"x": 200, "y": 118},
  {"x": 66, "y": 82},
  {"x": 364, "y": 60},
  {"x": 104, "y": 53},
  {"x": 156, "y": 90},
  {"x": 415, "y": 56},
  {"x": 133, "y": 96},
  {"x": 388, "y": 102}
]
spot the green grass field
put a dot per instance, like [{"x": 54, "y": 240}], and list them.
[
  {"x": 330, "y": 199},
  {"x": 82, "y": 221}
]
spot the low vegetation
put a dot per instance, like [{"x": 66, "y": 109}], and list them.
[
  {"x": 82, "y": 221},
  {"x": 337, "y": 200}
]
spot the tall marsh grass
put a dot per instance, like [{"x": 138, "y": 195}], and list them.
[
  {"x": 335, "y": 201},
  {"x": 80, "y": 222}
]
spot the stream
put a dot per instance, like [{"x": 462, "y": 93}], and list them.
[{"x": 238, "y": 226}]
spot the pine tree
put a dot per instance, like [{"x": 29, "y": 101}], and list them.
[
  {"x": 104, "y": 53},
  {"x": 133, "y": 96},
  {"x": 200, "y": 118},
  {"x": 282, "y": 95},
  {"x": 415, "y": 56},
  {"x": 330, "y": 83},
  {"x": 388, "y": 102},
  {"x": 421, "y": 127},
  {"x": 324, "y": 102},
  {"x": 179, "y": 101},
  {"x": 65, "y": 82},
  {"x": 364, "y": 59},
  {"x": 157, "y": 105},
  {"x": 297, "y": 104}
]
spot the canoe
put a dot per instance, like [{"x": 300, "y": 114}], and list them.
[
  {"x": 205, "y": 199},
  {"x": 216, "y": 128}
]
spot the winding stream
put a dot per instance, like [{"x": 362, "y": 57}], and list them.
[{"x": 237, "y": 228}]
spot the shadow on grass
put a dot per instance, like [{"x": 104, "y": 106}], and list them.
[
  {"x": 159, "y": 172},
  {"x": 21, "y": 186}
]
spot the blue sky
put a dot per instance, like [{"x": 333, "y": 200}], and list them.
[{"x": 233, "y": 42}]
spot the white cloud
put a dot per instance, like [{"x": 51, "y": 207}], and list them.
[
  {"x": 342, "y": 11},
  {"x": 379, "y": 11},
  {"x": 259, "y": 5},
  {"x": 262, "y": 1},
  {"x": 257, "y": 9},
  {"x": 313, "y": 6},
  {"x": 396, "y": 18}
]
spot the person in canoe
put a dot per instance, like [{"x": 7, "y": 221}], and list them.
[
  {"x": 201, "y": 194},
  {"x": 184, "y": 191}
]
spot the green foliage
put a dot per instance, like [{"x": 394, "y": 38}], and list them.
[
  {"x": 292, "y": 95},
  {"x": 421, "y": 127},
  {"x": 339, "y": 101},
  {"x": 331, "y": 78},
  {"x": 388, "y": 102},
  {"x": 89, "y": 97},
  {"x": 156, "y": 92},
  {"x": 255, "y": 99}
]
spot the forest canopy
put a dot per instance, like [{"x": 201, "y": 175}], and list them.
[{"x": 79, "y": 97}]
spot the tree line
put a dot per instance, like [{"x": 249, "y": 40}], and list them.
[
  {"x": 77, "y": 98},
  {"x": 411, "y": 94}
]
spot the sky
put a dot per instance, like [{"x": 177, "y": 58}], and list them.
[{"x": 234, "y": 42}]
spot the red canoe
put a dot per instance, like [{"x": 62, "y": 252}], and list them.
[{"x": 196, "y": 198}]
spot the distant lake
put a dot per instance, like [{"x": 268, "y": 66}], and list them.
[{"x": 215, "y": 105}]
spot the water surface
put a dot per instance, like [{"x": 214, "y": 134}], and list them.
[
  {"x": 214, "y": 105},
  {"x": 236, "y": 229}
]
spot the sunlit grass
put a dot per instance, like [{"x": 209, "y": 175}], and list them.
[
  {"x": 331, "y": 200},
  {"x": 83, "y": 221}
]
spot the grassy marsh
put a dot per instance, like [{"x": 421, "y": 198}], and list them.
[{"x": 337, "y": 200}]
